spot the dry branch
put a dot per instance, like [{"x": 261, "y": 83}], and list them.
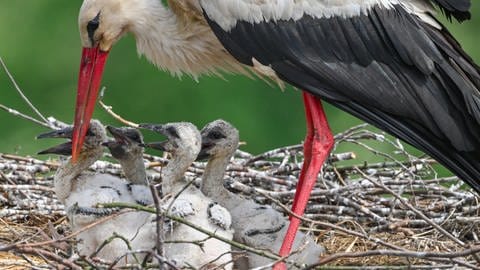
[{"x": 20, "y": 92}]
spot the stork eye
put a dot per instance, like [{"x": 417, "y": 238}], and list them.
[
  {"x": 92, "y": 26},
  {"x": 216, "y": 135}
]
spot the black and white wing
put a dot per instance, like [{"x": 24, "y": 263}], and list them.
[{"x": 388, "y": 62}]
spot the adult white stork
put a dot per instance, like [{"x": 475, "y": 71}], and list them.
[{"x": 388, "y": 62}]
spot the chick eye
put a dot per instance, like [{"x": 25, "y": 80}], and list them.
[
  {"x": 136, "y": 138},
  {"x": 173, "y": 132},
  {"x": 90, "y": 132},
  {"x": 216, "y": 135},
  {"x": 92, "y": 26}
]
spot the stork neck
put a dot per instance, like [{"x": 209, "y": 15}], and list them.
[
  {"x": 134, "y": 170},
  {"x": 212, "y": 183},
  {"x": 179, "y": 46},
  {"x": 174, "y": 171},
  {"x": 65, "y": 177}
]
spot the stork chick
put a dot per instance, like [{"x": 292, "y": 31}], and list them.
[
  {"x": 81, "y": 191},
  {"x": 189, "y": 203},
  {"x": 127, "y": 148},
  {"x": 72, "y": 177},
  {"x": 256, "y": 225}
]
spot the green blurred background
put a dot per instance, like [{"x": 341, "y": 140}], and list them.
[{"x": 40, "y": 44}]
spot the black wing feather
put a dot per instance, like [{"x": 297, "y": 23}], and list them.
[
  {"x": 456, "y": 8},
  {"x": 386, "y": 67}
]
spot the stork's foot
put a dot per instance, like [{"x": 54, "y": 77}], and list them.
[{"x": 317, "y": 146}]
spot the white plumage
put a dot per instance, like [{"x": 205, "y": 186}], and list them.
[
  {"x": 184, "y": 144},
  {"x": 227, "y": 12},
  {"x": 259, "y": 226},
  {"x": 127, "y": 149},
  {"x": 81, "y": 191}
]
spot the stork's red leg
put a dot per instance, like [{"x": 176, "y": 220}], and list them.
[
  {"x": 318, "y": 143},
  {"x": 307, "y": 147}
]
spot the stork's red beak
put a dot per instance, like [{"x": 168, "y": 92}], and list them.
[{"x": 91, "y": 70}]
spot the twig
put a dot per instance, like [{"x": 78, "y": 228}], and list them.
[
  {"x": 212, "y": 262},
  {"x": 24, "y": 116},
  {"x": 171, "y": 265},
  {"x": 159, "y": 225},
  {"x": 334, "y": 227},
  {"x": 109, "y": 240},
  {"x": 22, "y": 94},
  {"x": 398, "y": 253},
  {"x": 347, "y": 133},
  {"x": 47, "y": 254},
  {"x": 419, "y": 213},
  {"x": 65, "y": 238},
  {"x": 109, "y": 110}
]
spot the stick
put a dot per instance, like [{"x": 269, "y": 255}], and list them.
[
  {"x": 21, "y": 93},
  {"x": 398, "y": 253},
  {"x": 24, "y": 116},
  {"x": 419, "y": 213},
  {"x": 109, "y": 110},
  {"x": 159, "y": 226}
]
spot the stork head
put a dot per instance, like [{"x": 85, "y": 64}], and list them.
[
  {"x": 219, "y": 140},
  {"x": 95, "y": 136},
  {"x": 183, "y": 139},
  {"x": 101, "y": 23},
  {"x": 127, "y": 143}
]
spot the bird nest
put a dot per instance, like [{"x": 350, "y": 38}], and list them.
[{"x": 387, "y": 214}]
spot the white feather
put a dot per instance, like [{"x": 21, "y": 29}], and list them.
[
  {"x": 227, "y": 13},
  {"x": 193, "y": 206}
]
